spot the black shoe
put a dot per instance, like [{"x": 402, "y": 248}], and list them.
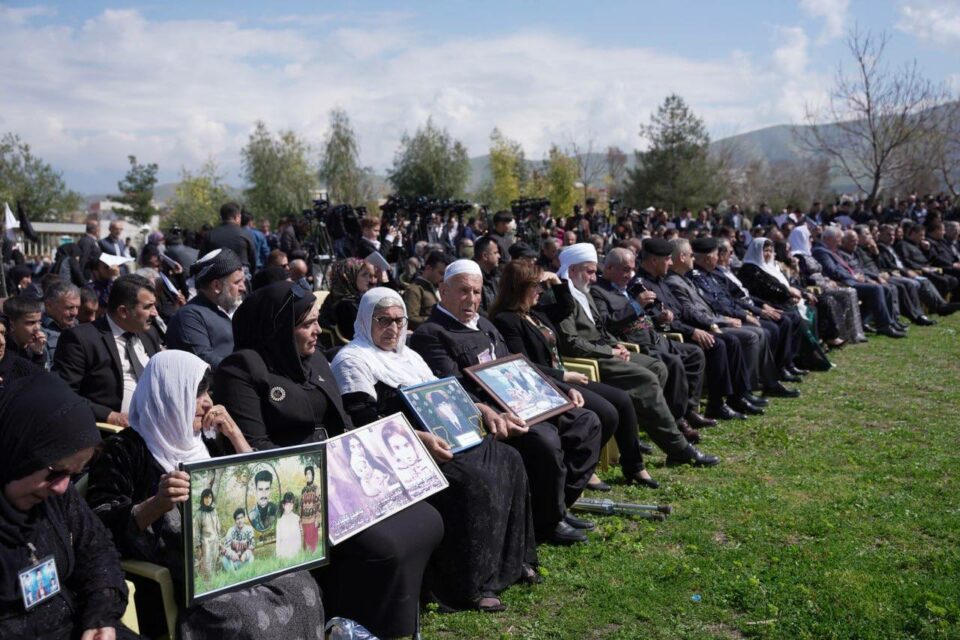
[
  {"x": 786, "y": 376},
  {"x": 565, "y": 534},
  {"x": 869, "y": 328},
  {"x": 780, "y": 391},
  {"x": 890, "y": 332},
  {"x": 692, "y": 435},
  {"x": 924, "y": 321},
  {"x": 899, "y": 326},
  {"x": 797, "y": 371},
  {"x": 596, "y": 484},
  {"x": 645, "y": 449},
  {"x": 698, "y": 421},
  {"x": 691, "y": 455},
  {"x": 757, "y": 401},
  {"x": 724, "y": 412},
  {"x": 948, "y": 309},
  {"x": 745, "y": 407},
  {"x": 646, "y": 482},
  {"x": 579, "y": 523}
]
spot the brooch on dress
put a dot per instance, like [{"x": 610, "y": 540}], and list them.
[{"x": 277, "y": 394}]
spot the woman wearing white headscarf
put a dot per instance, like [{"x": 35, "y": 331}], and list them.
[
  {"x": 488, "y": 541},
  {"x": 135, "y": 487},
  {"x": 838, "y": 310}
]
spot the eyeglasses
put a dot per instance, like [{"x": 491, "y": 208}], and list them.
[
  {"x": 386, "y": 321},
  {"x": 55, "y": 475}
]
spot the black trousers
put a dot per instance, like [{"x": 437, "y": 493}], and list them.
[
  {"x": 908, "y": 291},
  {"x": 618, "y": 420},
  {"x": 727, "y": 373},
  {"x": 559, "y": 457},
  {"x": 685, "y": 366}
]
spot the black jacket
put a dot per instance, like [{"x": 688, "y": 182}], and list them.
[
  {"x": 235, "y": 238},
  {"x": 912, "y": 256},
  {"x": 88, "y": 361},
  {"x": 620, "y": 318},
  {"x": 764, "y": 286},
  {"x": 274, "y": 411},
  {"x": 669, "y": 301},
  {"x": 941, "y": 253}
]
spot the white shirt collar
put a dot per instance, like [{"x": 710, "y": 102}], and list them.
[{"x": 474, "y": 324}]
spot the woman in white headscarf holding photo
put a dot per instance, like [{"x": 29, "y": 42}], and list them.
[
  {"x": 135, "y": 487},
  {"x": 488, "y": 541}
]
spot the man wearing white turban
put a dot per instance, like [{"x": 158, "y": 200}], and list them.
[
  {"x": 559, "y": 455},
  {"x": 582, "y": 335}
]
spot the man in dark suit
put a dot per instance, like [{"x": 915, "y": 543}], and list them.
[
  {"x": 727, "y": 373},
  {"x": 102, "y": 360},
  {"x": 941, "y": 253},
  {"x": 559, "y": 455},
  {"x": 890, "y": 263},
  {"x": 910, "y": 250},
  {"x": 89, "y": 247},
  {"x": 502, "y": 223},
  {"x": 231, "y": 235},
  {"x": 625, "y": 317},
  {"x": 175, "y": 249},
  {"x": 487, "y": 256}
]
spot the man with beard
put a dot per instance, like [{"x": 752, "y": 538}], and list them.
[{"x": 203, "y": 326}]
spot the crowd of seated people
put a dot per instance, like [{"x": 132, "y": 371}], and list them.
[{"x": 686, "y": 322}]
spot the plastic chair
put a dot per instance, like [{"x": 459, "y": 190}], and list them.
[
  {"x": 161, "y": 576},
  {"x": 589, "y": 367},
  {"x": 107, "y": 430}
]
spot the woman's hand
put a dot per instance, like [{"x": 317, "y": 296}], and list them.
[
  {"x": 575, "y": 397},
  {"x": 437, "y": 446},
  {"x": 174, "y": 488},
  {"x": 219, "y": 418},
  {"x": 549, "y": 278},
  {"x": 103, "y": 633},
  {"x": 572, "y": 377}
]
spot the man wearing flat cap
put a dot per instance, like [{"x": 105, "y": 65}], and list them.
[
  {"x": 203, "y": 326},
  {"x": 582, "y": 335}
]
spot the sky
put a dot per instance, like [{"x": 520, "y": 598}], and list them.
[{"x": 178, "y": 83}]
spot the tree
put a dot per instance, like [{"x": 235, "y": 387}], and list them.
[
  {"x": 340, "y": 171},
  {"x": 942, "y": 147},
  {"x": 279, "y": 173},
  {"x": 561, "y": 179},
  {"x": 33, "y": 183},
  {"x": 430, "y": 164},
  {"x": 198, "y": 197},
  {"x": 508, "y": 170},
  {"x": 616, "y": 165},
  {"x": 676, "y": 171},
  {"x": 590, "y": 165},
  {"x": 136, "y": 190},
  {"x": 872, "y": 117}
]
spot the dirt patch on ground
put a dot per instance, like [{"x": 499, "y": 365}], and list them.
[{"x": 721, "y": 630}]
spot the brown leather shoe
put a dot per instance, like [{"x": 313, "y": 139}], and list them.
[
  {"x": 698, "y": 421},
  {"x": 691, "y": 434}
]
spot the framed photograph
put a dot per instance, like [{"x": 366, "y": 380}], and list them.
[
  {"x": 519, "y": 387},
  {"x": 254, "y": 516},
  {"x": 375, "y": 471},
  {"x": 444, "y": 409}
]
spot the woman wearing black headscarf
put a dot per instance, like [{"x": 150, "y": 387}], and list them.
[
  {"x": 42, "y": 516},
  {"x": 280, "y": 390}
]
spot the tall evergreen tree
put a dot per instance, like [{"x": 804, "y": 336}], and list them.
[
  {"x": 136, "y": 190},
  {"x": 340, "y": 171},
  {"x": 430, "y": 163},
  {"x": 279, "y": 173},
  {"x": 676, "y": 170}
]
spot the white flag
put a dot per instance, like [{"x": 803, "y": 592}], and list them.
[{"x": 10, "y": 222}]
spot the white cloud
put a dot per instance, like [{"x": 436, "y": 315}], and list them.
[
  {"x": 20, "y": 15},
  {"x": 179, "y": 92},
  {"x": 833, "y": 12},
  {"x": 935, "y": 21}
]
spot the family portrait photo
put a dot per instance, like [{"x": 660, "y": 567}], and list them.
[
  {"x": 518, "y": 387},
  {"x": 253, "y": 516},
  {"x": 444, "y": 409},
  {"x": 375, "y": 471}
]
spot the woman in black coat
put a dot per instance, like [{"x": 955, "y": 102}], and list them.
[
  {"x": 41, "y": 515},
  {"x": 280, "y": 390},
  {"x": 529, "y": 331}
]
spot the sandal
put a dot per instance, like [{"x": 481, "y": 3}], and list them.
[
  {"x": 490, "y": 604},
  {"x": 529, "y": 575}
]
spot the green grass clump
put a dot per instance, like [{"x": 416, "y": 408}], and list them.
[{"x": 836, "y": 515}]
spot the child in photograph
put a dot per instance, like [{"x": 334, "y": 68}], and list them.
[
  {"x": 238, "y": 545},
  {"x": 373, "y": 481},
  {"x": 208, "y": 533},
  {"x": 411, "y": 468},
  {"x": 288, "y": 529},
  {"x": 309, "y": 511}
]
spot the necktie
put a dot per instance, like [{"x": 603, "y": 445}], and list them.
[{"x": 132, "y": 355}]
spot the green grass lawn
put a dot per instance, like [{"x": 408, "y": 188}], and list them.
[{"x": 835, "y": 515}]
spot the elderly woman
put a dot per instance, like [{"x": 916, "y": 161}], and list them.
[
  {"x": 281, "y": 391},
  {"x": 42, "y": 516},
  {"x": 486, "y": 509},
  {"x": 349, "y": 279},
  {"x": 135, "y": 487},
  {"x": 838, "y": 307}
]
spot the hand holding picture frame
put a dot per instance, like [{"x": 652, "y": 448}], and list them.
[
  {"x": 375, "y": 471},
  {"x": 519, "y": 387},
  {"x": 253, "y": 516},
  {"x": 444, "y": 409}
]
